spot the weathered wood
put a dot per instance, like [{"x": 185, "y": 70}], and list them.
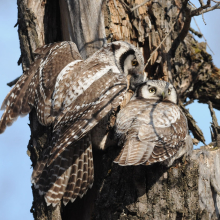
[
  {"x": 83, "y": 23},
  {"x": 215, "y": 128},
  {"x": 196, "y": 131},
  {"x": 187, "y": 190}
]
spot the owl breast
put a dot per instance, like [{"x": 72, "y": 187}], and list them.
[{"x": 150, "y": 131}]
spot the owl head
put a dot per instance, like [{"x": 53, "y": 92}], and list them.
[
  {"x": 157, "y": 90},
  {"x": 129, "y": 61}
]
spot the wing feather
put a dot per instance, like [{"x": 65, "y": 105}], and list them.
[
  {"x": 36, "y": 85},
  {"x": 69, "y": 176},
  {"x": 86, "y": 113},
  {"x": 150, "y": 132}
]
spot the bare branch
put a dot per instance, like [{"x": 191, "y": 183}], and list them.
[
  {"x": 205, "y": 9},
  {"x": 217, "y": 6},
  {"x": 192, "y": 4},
  {"x": 198, "y": 34},
  {"x": 198, "y": 10},
  {"x": 197, "y": 132},
  {"x": 215, "y": 1},
  {"x": 201, "y": 3},
  {"x": 189, "y": 102},
  {"x": 137, "y": 6},
  {"x": 203, "y": 36},
  {"x": 203, "y": 18}
]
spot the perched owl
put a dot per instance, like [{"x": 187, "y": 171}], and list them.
[
  {"x": 73, "y": 96},
  {"x": 152, "y": 128}
]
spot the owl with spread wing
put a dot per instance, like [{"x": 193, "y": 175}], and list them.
[{"x": 71, "y": 95}]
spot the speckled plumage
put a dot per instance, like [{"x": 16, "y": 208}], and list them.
[
  {"x": 73, "y": 96},
  {"x": 35, "y": 87},
  {"x": 69, "y": 176},
  {"x": 151, "y": 128}
]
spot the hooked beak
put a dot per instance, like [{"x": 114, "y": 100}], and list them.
[
  {"x": 163, "y": 95},
  {"x": 145, "y": 76}
]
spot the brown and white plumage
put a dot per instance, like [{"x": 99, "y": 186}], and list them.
[
  {"x": 73, "y": 96},
  {"x": 35, "y": 87},
  {"x": 100, "y": 87},
  {"x": 151, "y": 127},
  {"x": 69, "y": 176}
]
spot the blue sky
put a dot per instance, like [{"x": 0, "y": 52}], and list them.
[{"x": 15, "y": 165}]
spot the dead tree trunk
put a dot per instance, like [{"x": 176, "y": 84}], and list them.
[{"x": 190, "y": 188}]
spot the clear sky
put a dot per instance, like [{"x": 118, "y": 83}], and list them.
[{"x": 15, "y": 165}]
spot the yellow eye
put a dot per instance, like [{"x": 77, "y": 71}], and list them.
[
  {"x": 152, "y": 90},
  {"x": 169, "y": 91},
  {"x": 134, "y": 62}
]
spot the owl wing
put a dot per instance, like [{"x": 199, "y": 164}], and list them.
[
  {"x": 83, "y": 111},
  {"x": 36, "y": 85},
  {"x": 150, "y": 132},
  {"x": 69, "y": 176}
]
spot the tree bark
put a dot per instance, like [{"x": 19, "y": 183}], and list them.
[{"x": 190, "y": 188}]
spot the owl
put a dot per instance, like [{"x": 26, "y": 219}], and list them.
[
  {"x": 152, "y": 128},
  {"x": 72, "y": 95}
]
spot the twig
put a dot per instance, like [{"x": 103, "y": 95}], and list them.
[
  {"x": 204, "y": 9},
  {"x": 217, "y": 6},
  {"x": 203, "y": 18},
  {"x": 198, "y": 10},
  {"x": 203, "y": 36},
  {"x": 198, "y": 34},
  {"x": 137, "y": 6},
  {"x": 215, "y": 1},
  {"x": 13, "y": 82},
  {"x": 160, "y": 43},
  {"x": 192, "y": 4},
  {"x": 201, "y": 3},
  {"x": 189, "y": 102}
]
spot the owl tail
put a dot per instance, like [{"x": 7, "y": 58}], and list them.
[
  {"x": 13, "y": 102},
  {"x": 69, "y": 176},
  {"x": 134, "y": 152}
]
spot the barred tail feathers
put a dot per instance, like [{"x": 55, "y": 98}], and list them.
[
  {"x": 69, "y": 176},
  {"x": 12, "y": 102}
]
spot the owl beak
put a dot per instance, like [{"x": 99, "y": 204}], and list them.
[
  {"x": 163, "y": 95},
  {"x": 145, "y": 76}
]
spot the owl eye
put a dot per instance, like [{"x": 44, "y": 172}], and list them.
[
  {"x": 169, "y": 91},
  {"x": 152, "y": 90},
  {"x": 134, "y": 62}
]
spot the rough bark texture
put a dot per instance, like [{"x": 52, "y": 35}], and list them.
[
  {"x": 190, "y": 188},
  {"x": 38, "y": 23},
  {"x": 187, "y": 190}
]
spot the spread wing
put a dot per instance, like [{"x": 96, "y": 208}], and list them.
[
  {"x": 69, "y": 176},
  {"x": 85, "y": 103},
  {"x": 150, "y": 131},
  {"x": 36, "y": 85}
]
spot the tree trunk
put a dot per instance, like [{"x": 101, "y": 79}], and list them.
[{"x": 190, "y": 188}]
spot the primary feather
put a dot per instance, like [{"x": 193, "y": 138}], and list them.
[{"x": 72, "y": 95}]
